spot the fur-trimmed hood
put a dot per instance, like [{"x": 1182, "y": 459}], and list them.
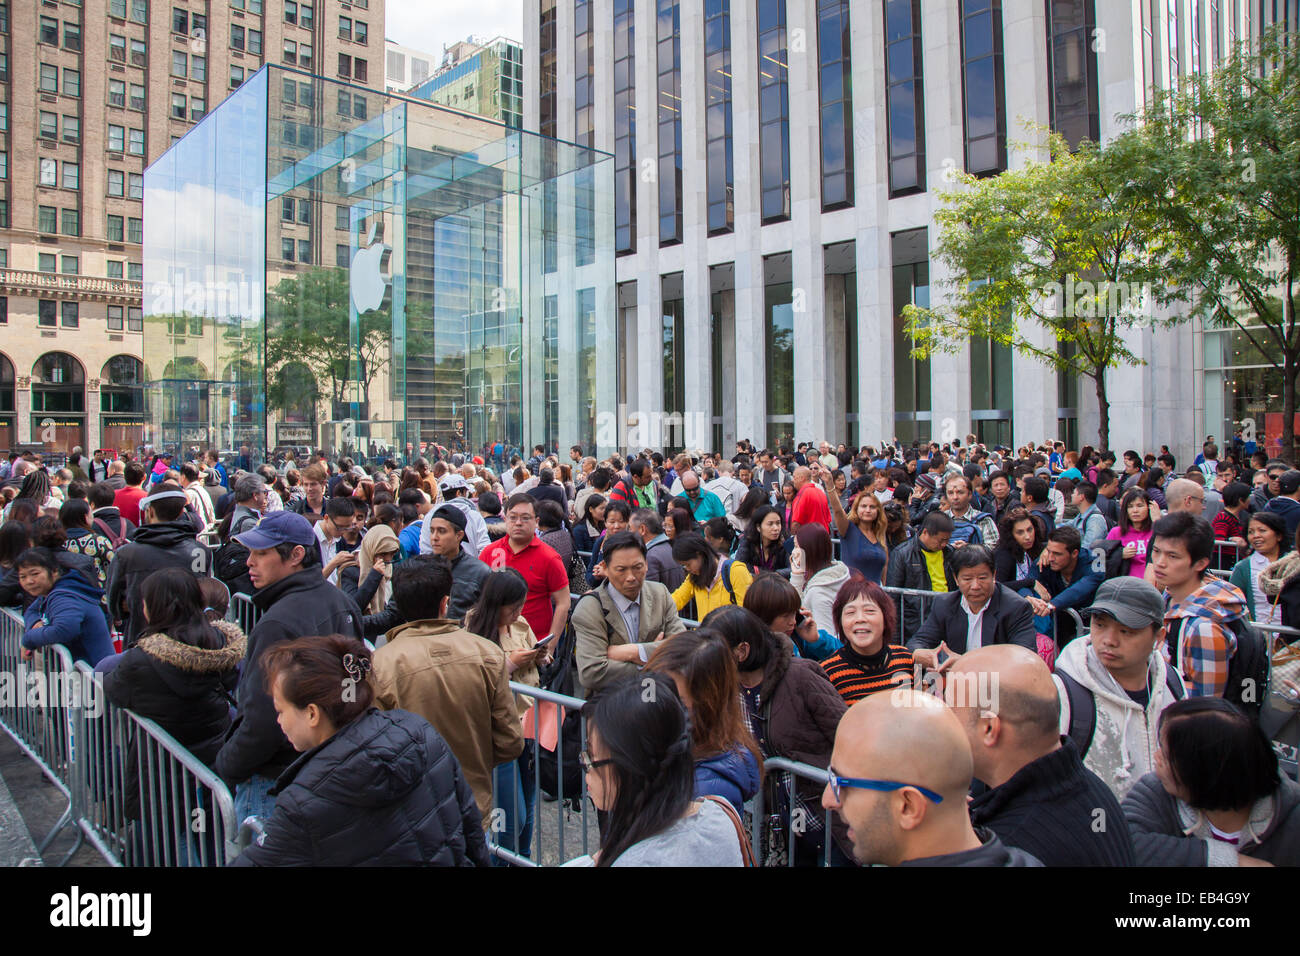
[
  {"x": 1279, "y": 574},
  {"x": 198, "y": 660}
]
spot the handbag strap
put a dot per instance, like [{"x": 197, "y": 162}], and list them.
[{"x": 746, "y": 851}]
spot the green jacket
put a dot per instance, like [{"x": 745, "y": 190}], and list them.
[{"x": 1240, "y": 576}]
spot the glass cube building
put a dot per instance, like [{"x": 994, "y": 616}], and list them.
[{"x": 327, "y": 266}]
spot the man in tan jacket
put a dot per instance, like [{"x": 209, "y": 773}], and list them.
[
  {"x": 617, "y": 625},
  {"x": 451, "y": 677}
]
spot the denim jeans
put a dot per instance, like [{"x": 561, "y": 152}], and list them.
[
  {"x": 514, "y": 789},
  {"x": 252, "y": 800}
]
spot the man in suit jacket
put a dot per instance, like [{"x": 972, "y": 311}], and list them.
[
  {"x": 618, "y": 623},
  {"x": 980, "y": 613}
]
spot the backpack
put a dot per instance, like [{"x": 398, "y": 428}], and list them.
[
  {"x": 1111, "y": 552},
  {"x": 230, "y": 563},
  {"x": 1083, "y": 706},
  {"x": 118, "y": 538},
  {"x": 1248, "y": 668}
]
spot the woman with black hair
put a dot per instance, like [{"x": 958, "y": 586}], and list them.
[
  {"x": 679, "y": 521},
  {"x": 1018, "y": 549},
  {"x": 1216, "y": 797},
  {"x": 1151, "y": 482},
  {"x": 83, "y": 539},
  {"x": 14, "y": 540},
  {"x": 710, "y": 582},
  {"x": 617, "y": 514},
  {"x": 1266, "y": 532},
  {"x": 65, "y": 608},
  {"x": 1137, "y": 515},
  {"x": 181, "y": 671},
  {"x": 641, "y": 772},
  {"x": 763, "y": 547},
  {"x": 792, "y": 710},
  {"x": 372, "y": 787},
  {"x": 498, "y": 617},
  {"x": 720, "y": 534},
  {"x": 590, "y": 523},
  {"x": 36, "y": 489},
  {"x": 754, "y": 499}
]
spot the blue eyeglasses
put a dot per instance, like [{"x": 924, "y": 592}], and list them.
[{"x": 860, "y": 783}]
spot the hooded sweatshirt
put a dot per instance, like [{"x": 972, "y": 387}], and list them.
[
  {"x": 1126, "y": 736},
  {"x": 732, "y": 775},
  {"x": 1200, "y": 641},
  {"x": 70, "y": 615},
  {"x": 819, "y": 593}
]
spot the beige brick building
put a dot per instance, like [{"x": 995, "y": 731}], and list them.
[{"x": 91, "y": 92}]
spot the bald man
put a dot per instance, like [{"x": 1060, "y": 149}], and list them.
[
  {"x": 810, "y": 504},
  {"x": 1040, "y": 796},
  {"x": 900, "y": 772},
  {"x": 1183, "y": 494}
]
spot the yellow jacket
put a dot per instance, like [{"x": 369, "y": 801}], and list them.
[{"x": 716, "y": 596}]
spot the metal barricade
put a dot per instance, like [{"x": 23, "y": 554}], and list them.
[
  {"x": 143, "y": 799},
  {"x": 37, "y": 715},
  {"x": 789, "y": 771},
  {"x": 906, "y": 599},
  {"x": 243, "y": 612},
  {"x": 1225, "y": 556},
  {"x": 547, "y": 845}
]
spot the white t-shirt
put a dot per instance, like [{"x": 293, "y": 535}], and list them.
[{"x": 1266, "y": 611}]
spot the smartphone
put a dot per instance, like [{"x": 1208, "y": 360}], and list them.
[
  {"x": 544, "y": 641},
  {"x": 941, "y": 657}
]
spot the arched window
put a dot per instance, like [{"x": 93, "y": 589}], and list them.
[
  {"x": 121, "y": 385},
  {"x": 58, "y": 384}
]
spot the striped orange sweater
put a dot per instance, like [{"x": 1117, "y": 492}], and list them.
[{"x": 855, "y": 682}]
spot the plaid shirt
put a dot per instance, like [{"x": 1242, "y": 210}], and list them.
[{"x": 1200, "y": 641}]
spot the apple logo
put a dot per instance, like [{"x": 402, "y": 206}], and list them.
[{"x": 367, "y": 279}]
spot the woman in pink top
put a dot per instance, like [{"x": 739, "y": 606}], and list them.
[{"x": 1134, "y": 529}]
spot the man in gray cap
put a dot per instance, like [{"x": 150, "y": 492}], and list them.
[{"x": 1114, "y": 682}]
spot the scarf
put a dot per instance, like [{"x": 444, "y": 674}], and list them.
[{"x": 379, "y": 540}]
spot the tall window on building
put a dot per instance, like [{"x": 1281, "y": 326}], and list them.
[
  {"x": 983, "y": 94},
  {"x": 673, "y": 331},
  {"x": 1067, "y": 399},
  {"x": 551, "y": 368},
  {"x": 586, "y": 355},
  {"x": 546, "y": 80},
  {"x": 778, "y": 342},
  {"x": 1072, "y": 69},
  {"x": 773, "y": 111},
  {"x": 625, "y": 171},
  {"x": 584, "y": 68},
  {"x": 1174, "y": 43},
  {"x": 584, "y": 216},
  {"x": 669, "y": 51},
  {"x": 717, "y": 91},
  {"x": 836, "y": 89},
  {"x": 547, "y": 127},
  {"x": 911, "y": 268},
  {"x": 991, "y": 393},
  {"x": 905, "y": 100}
]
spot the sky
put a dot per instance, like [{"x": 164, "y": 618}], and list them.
[{"x": 429, "y": 25}]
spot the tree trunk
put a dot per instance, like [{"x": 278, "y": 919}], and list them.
[
  {"x": 1103, "y": 409},
  {"x": 1289, "y": 373}
]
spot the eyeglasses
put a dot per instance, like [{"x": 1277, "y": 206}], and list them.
[
  {"x": 859, "y": 783},
  {"x": 588, "y": 765}
]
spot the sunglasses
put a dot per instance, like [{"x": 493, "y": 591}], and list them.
[{"x": 859, "y": 783}]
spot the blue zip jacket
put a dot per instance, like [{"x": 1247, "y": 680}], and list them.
[
  {"x": 732, "y": 775},
  {"x": 71, "y": 616}
]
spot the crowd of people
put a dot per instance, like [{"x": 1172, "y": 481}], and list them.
[{"x": 1050, "y": 633}]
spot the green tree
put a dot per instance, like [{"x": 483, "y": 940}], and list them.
[
  {"x": 1053, "y": 247},
  {"x": 1219, "y": 165},
  {"x": 307, "y": 318}
]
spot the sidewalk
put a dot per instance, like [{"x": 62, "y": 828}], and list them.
[
  {"x": 29, "y": 807},
  {"x": 16, "y": 845}
]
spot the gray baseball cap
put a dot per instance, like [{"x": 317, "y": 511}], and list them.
[{"x": 1129, "y": 600}]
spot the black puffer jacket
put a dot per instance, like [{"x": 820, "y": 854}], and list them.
[
  {"x": 385, "y": 790},
  {"x": 183, "y": 688},
  {"x": 304, "y": 603},
  {"x": 167, "y": 544}
]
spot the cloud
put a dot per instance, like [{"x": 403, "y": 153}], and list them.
[{"x": 410, "y": 23}]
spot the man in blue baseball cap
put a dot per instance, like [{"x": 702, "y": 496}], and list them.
[{"x": 295, "y": 600}]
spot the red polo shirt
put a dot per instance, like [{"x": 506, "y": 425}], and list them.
[
  {"x": 543, "y": 571},
  {"x": 127, "y": 502},
  {"x": 811, "y": 507}
]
